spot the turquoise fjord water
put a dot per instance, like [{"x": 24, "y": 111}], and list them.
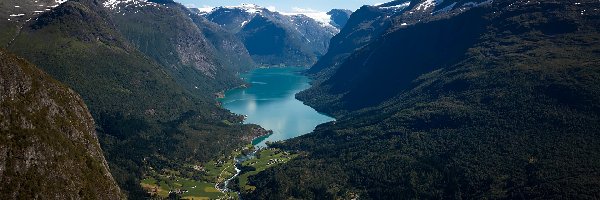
[{"x": 270, "y": 103}]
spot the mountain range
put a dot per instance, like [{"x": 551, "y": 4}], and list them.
[
  {"x": 274, "y": 38},
  {"x": 453, "y": 99}
]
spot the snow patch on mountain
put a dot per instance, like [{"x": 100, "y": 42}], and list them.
[
  {"x": 427, "y": 4},
  {"x": 249, "y": 8},
  {"x": 322, "y": 18},
  {"x": 28, "y": 10},
  {"x": 399, "y": 6},
  {"x": 244, "y": 23},
  {"x": 117, "y": 4},
  {"x": 205, "y": 9}
]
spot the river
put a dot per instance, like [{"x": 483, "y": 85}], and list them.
[{"x": 270, "y": 102}]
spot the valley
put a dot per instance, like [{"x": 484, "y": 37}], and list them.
[
  {"x": 223, "y": 178},
  {"x": 406, "y": 99},
  {"x": 268, "y": 100}
]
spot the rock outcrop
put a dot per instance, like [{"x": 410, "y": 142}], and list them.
[{"x": 48, "y": 143}]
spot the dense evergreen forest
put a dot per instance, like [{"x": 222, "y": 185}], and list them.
[{"x": 498, "y": 102}]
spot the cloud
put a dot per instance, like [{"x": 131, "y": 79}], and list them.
[
  {"x": 304, "y": 10},
  {"x": 318, "y": 16},
  {"x": 271, "y": 8}
]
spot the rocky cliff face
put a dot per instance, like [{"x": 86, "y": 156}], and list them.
[{"x": 48, "y": 143}]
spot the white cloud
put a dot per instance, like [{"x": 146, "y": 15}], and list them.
[
  {"x": 271, "y": 8},
  {"x": 318, "y": 16},
  {"x": 304, "y": 10}
]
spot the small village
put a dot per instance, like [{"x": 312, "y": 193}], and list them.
[{"x": 167, "y": 183}]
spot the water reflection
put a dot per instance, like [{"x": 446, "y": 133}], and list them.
[{"x": 270, "y": 102}]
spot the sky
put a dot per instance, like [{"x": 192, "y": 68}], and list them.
[{"x": 286, "y": 5}]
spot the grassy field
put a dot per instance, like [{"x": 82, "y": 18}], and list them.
[
  {"x": 195, "y": 189},
  {"x": 215, "y": 171},
  {"x": 219, "y": 171},
  {"x": 264, "y": 159}
]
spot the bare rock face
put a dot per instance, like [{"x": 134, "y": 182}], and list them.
[{"x": 48, "y": 143}]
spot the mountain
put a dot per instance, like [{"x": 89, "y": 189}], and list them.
[
  {"x": 339, "y": 17},
  {"x": 146, "y": 115},
  {"x": 47, "y": 136},
  {"x": 198, "y": 54},
  {"x": 365, "y": 24},
  {"x": 494, "y": 100},
  {"x": 16, "y": 13},
  {"x": 274, "y": 38}
]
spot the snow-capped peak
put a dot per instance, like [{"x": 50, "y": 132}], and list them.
[
  {"x": 321, "y": 17},
  {"x": 250, "y": 8},
  {"x": 110, "y": 3},
  {"x": 205, "y": 9},
  {"x": 428, "y": 3},
  {"x": 118, "y": 4},
  {"x": 399, "y": 6}
]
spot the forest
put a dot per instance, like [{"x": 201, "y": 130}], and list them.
[{"x": 511, "y": 114}]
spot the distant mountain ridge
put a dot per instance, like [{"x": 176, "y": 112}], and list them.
[
  {"x": 275, "y": 38},
  {"x": 339, "y": 17},
  {"x": 200, "y": 55}
]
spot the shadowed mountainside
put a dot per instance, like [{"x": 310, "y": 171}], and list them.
[{"x": 498, "y": 101}]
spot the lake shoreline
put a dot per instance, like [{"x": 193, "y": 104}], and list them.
[
  {"x": 249, "y": 93},
  {"x": 268, "y": 99}
]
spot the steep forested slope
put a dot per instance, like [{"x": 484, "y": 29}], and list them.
[
  {"x": 497, "y": 101},
  {"x": 47, "y": 136},
  {"x": 146, "y": 117},
  {"x": 202, "y": 57}
]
